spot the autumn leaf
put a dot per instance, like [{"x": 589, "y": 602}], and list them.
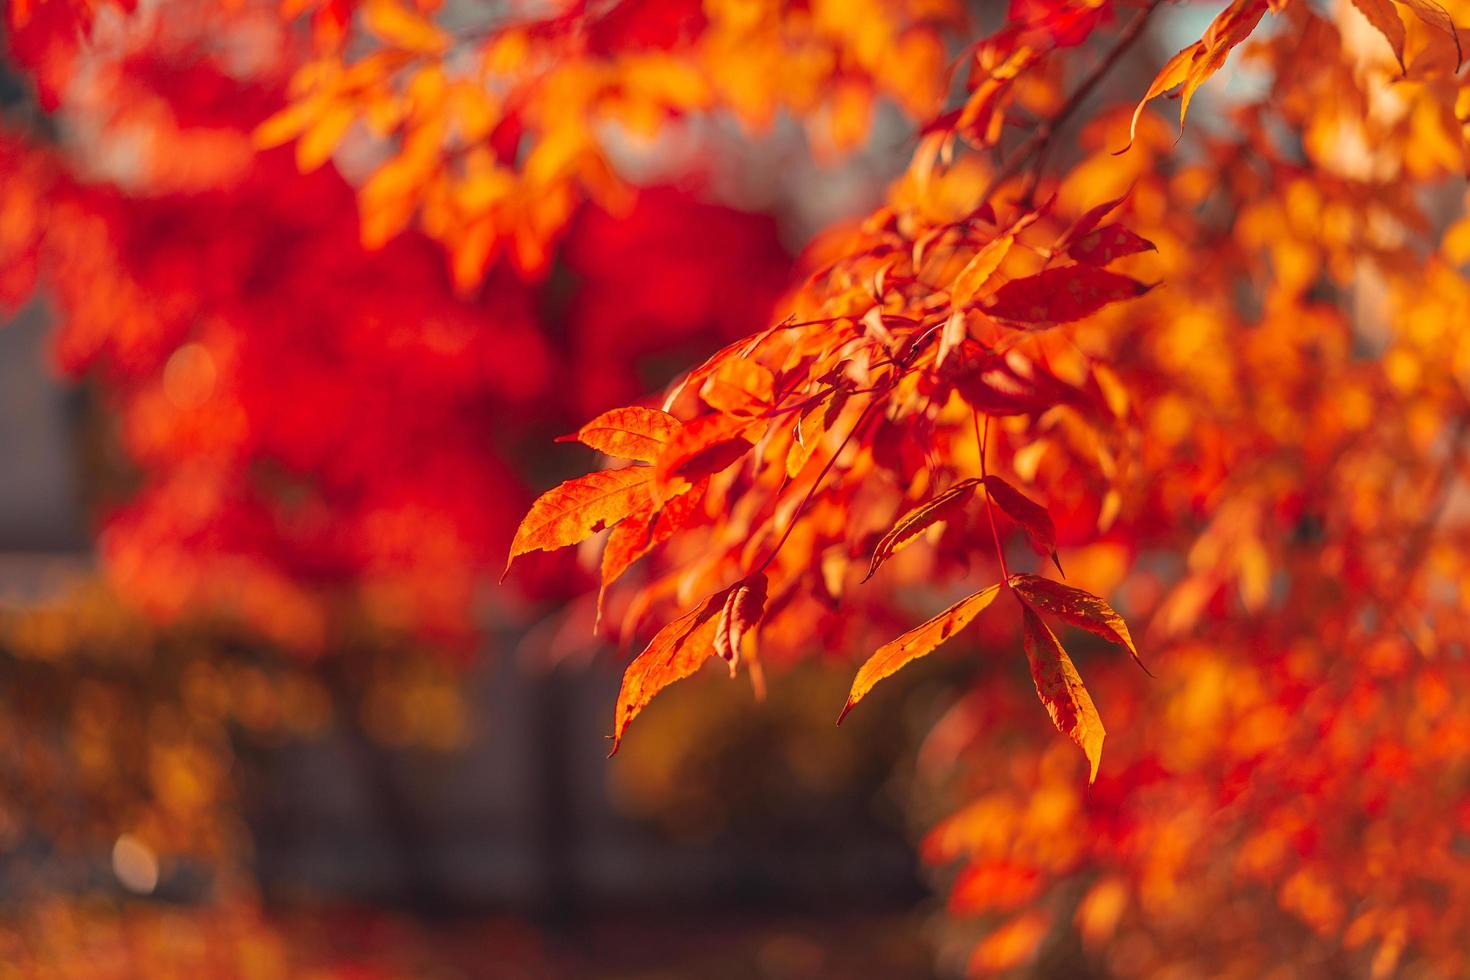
[
  {"x": 1088, "y": 221},
  {"x": 1061, "y": 690},
  {"x": 951, "y": 335},
  {"x": 1384, "y": 17},
  {"x": 1110, "y": 242},
  {"x": 742, "y": 610},
  {"x": 702, "y": 448},
  {"x": 579, "y": 508},
  {"x": 814, "y": 423},
  {"x": 873, "y": 326},
  {"x": 917, "y": 642},
  {"x": 678, "y": 650},
  {"x": 977, "y": 272},
  {"x": 1082, "y": 609},
  {"x": 1062, "y": 295},
  {"x": 941, "y": 508},
  {"x": 645, "y": 529},
  {"x": 739, "y": 387},
  {"x": 403, "y": 28},
  {"x": 1196, "y": 63},
  {"x": 1006, "y": 385},
  {"x": 634, "y": 432},
  {"x": 1031, "y": 516},
  {"x": 1434, "y": 15}
]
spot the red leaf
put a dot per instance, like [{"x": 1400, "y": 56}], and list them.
[
  {"x": 1090, "y": 219},
  {"x": 1062, "y": 295},
  {"x": 1012, "y": 385},
  {"x": 1111, "y": 241},
  {"x": 1032, "y": 517}
]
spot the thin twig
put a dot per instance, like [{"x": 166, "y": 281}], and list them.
[
  {"x": 982, "y": 442},
  {"x": 1039, "y": 141}
]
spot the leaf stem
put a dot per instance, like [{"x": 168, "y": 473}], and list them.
[
  {"x": 983, "y": 442},
  {"x": 816, "y": 485}
]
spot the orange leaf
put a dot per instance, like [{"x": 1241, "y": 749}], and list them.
[
  {"x": 403, "y": 28},
  {"x": 739, "y": 387},
  {"x": 1438, "y": 18},
  {"x": 642, "y": 531},
  {"x": 1062, "y": 295},
  {"x": 1203, "y": 58},
  {"x": 940, "y": 508},
  {"x": 580, "y": 508},
  {"x": 1032, "y": 517},
  {"x": 319, "y": 141},
  {"x": 634, "y": 432},
  {"x": 702, "y": 448},
  {"x": 916, "y": 643},
  {"x": 814, "y": 423},
  {"x": 1082, "y": 609},
  {"x": 1175, "y": 70},
  {"x": 1233, "y": 26},
  {"x": 979, "y": 269},
  {"x": 1061, "y": 689},
  {"x": 1384, "y": 17},
  {"x": 743, "y": 608},
  {"x": 679, "y": 649}
]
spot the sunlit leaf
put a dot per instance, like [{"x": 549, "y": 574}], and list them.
[
  {"x": 1384, "y": 17},
  {"x": 1074, "y": 606},
  {"x": 579, "y": 508},
  {"x": 917, "y": 642},
  {"x": 1433, "y": 14},
  {"x": 940, "y": 508},
  {"x": 634, "y": 432},
  {"x": 742, "y": 610},
  {"x": 678, "y": 650},
  {"x": 1060, "y": 688}
]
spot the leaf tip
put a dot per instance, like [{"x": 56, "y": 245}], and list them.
[{"x": 851, "y": 702}]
